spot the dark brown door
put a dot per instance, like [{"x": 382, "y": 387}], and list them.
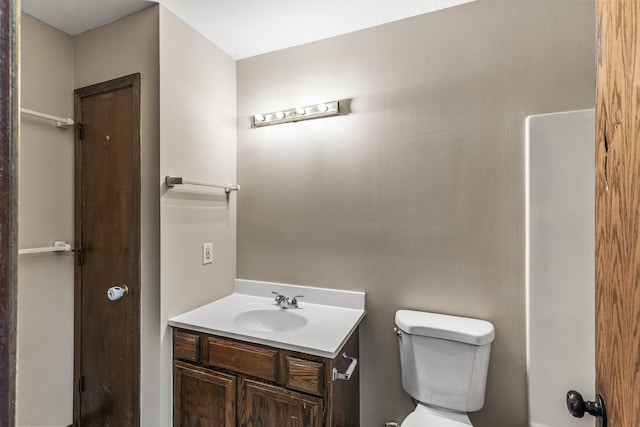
[
  {"x": 264, "y": 405},
  {"x": 107, "y": 227},
  {"x": 618, "y": 211},
  {"x": 203, "y": 398}
]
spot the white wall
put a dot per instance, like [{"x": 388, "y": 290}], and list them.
[
  {"x": 198, "y": 141},
  {"x": 45, "y": 281}
]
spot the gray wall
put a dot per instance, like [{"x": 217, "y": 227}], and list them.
[
  {"x": 198, "y": 141},
  {"x": 45, "y": 285},
  {"x": 53, "y": 64},
  {"x": 416, "y": 196}
]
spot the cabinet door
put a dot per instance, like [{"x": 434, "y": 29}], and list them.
[
  {"x": 203, "y": 398},
  {"x": 264, "y": 405}
]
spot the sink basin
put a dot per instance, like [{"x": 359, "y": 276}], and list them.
[
  {"x": 318, "y": 327},
  {"x": 278, "y": 320}
]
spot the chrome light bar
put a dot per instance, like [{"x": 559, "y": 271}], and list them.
[{"x": 315, "y": 111}]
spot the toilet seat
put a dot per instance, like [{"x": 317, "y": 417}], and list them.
[{"x": 425, "y": 416}]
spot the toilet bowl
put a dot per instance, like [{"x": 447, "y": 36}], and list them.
[
  {"x": 444, "y": 361},
  {"x": 425, "y": 416}
]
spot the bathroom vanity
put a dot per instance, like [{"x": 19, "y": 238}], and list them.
[{"x": 246, "y": 361}]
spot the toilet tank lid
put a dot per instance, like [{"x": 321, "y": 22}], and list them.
[{"x": 454, "y": 328}]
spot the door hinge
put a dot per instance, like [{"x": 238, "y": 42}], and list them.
[
  {"x": 80, "y": 131},
  {"x": 80, "y": 256},
  {"x": 81, "y": 384},
  {"x": 324, "y": 415}
]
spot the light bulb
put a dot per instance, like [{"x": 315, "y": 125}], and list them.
[
  {"x": 301, "y": 111},
  {"x": 323, "y": 108},
  {"x": 279, "y": 115},
  {"x": 258, "y": 118}
]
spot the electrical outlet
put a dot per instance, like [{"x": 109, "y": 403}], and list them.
[{"x": 207, "y": 253}]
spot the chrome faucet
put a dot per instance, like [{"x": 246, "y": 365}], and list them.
[
  {"x": 281, "y": 299},
  {"x": 294, "y": 301},
  {"x": 285, "y": 302}
]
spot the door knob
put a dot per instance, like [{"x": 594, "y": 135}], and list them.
[
  {"x": 577, "y": 407},
  {"x": 117, "y": 292}
]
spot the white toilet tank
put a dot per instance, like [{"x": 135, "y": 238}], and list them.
[{"x": 444, "y": 359}]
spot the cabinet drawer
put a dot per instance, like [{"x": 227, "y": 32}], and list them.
[
  {"x": 304, "y": 375},
  {"x": 186, "y": 346},
  {"x": 243, "y": 358}
]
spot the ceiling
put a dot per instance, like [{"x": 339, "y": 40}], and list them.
[{"x": 243, "y": 28}]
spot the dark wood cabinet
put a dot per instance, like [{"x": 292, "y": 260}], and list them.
[
  {"x": 202, "y": 397},
  {"x": 261, "y": 404},
  {"x": 224, "y": 382}
]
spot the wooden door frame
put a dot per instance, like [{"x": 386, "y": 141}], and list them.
[
  {"x": 130, "y": 81},
  {"x": 617, "y": 201},
  {"x": 9, "y": 122}
]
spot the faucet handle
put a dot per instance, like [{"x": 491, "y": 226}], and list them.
[
  {"x": 279, "y": 297},
  {"x": 294, "y": 300}
]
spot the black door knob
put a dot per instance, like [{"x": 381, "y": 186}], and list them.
[{"x": 577, "y": 407}]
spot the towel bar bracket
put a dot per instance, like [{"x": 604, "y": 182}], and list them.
[
  {"x": 172, "y": 181},
  {"x": 58, "y": 246},
  {"x": 61, "y": 122}
]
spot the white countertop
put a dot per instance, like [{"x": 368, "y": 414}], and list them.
[{"x": 331, "y": 316}]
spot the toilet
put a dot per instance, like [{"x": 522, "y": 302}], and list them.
[{"x": 444, "y": 361}]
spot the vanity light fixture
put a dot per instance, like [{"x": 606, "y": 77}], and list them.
[{"x": 315, "y": 111}]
